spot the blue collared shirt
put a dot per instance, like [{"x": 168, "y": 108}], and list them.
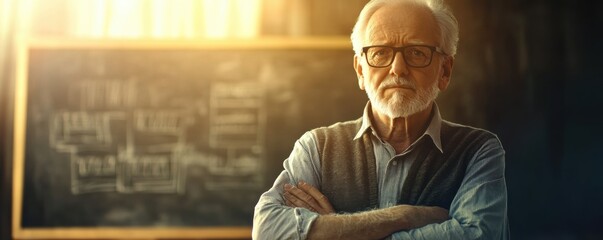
[{"x": 478, "y": 211}]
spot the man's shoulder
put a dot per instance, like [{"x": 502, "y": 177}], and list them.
[
  {"x": 470, "y": 141},
  {"x": 351, "y": 125},
  {"x": 452, "y": 131},
  {"x": 339, "y": 132}
]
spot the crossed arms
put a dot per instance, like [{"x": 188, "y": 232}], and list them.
[
  {"x": 478, "y": 211},
  {"x": 375, "y": 224},
  {"x": 303, "y": 204}
]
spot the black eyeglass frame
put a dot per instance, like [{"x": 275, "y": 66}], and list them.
[{"x": 401, "y": 50}]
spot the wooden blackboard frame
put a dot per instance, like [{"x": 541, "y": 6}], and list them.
[{"x": 20, "y": 122}]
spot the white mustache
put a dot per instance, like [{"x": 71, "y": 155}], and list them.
[{"x": 397, "y": 82}]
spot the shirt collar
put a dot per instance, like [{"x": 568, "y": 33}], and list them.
[
  {"x": 435, "y": 126},
  {"x": 433, "y": 130},
  {"x": 366, "y": 121}
]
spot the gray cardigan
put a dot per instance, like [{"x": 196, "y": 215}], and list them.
[{"x": 349, "y": 178}]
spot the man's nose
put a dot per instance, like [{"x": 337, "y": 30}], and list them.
[{"x": 399, "y": 67}]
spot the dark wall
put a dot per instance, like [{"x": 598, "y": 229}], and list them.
[{"x": 539, "y": 70}]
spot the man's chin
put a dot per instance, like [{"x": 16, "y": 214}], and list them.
[
  {"x": 395, "y": 109},
  {"x": 398, "y": 94}
]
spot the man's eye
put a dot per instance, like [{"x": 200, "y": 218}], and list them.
[
  {"x": 417, "y": 53},
  {"x": 381, "y": 53}
]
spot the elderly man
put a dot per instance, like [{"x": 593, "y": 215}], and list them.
[{"x": 399, "y": 171}]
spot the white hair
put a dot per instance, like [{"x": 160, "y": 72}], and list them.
[{"x": 449, "y": 27}]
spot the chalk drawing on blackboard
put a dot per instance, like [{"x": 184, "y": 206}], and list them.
[
  {"x": 168, "y": 122},
  {"x": 105, "y": 94},
  {"x": 68, "y": 130},
  {"x": 236, "y": 110},
  {"x": 237, "y": 122},
  {"x": 148, "y": 161},
  {"x": 155, "y": 172},
  {"x": 117, "y": 145}
]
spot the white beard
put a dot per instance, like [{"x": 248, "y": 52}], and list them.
[{"x": 400, "y": 104}]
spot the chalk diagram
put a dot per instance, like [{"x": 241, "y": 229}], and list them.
[{"x": 115, "y": 145}]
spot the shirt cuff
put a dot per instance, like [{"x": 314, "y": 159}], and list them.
[{"x": 304, "y": 218}]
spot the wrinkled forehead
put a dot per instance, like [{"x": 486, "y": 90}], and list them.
[{"x": 402, "y": 24}]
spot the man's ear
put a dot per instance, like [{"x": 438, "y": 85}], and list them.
[
  {"x": 358, "y": 68},
  {"x": 446, "y": 73}
]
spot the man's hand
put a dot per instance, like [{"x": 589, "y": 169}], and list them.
[
  {"x": 307, "y": 196},
  {"x": 374, "y": 224}
]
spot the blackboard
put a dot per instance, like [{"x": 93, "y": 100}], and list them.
[{"x": 136, "y": 136}]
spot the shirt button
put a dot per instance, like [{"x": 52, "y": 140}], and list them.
[{"x": 395, "y": 163}]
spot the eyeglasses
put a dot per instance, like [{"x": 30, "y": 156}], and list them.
[{"x": 417, "y": 56}]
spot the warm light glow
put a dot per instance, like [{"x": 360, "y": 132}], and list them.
[
  {"x": 248, "y": 15},
  {"x": 217, "y": 18},
  {"x": 89, "y": 18},
  {"x": 5, "y": 19},
  {"x": 170, "y": 20},
  {"x": 165, "y": 19},
  {"x": 124, "y": 19}
]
